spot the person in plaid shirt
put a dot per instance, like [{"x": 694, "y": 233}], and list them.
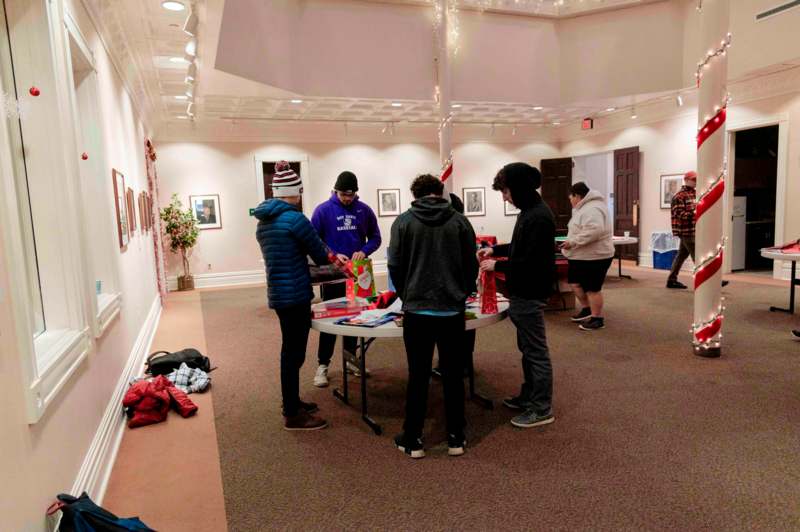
[
  {"x": 683, "y": 205},
  {"x": 683, "y": 226}
]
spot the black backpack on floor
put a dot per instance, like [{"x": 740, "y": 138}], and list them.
[{"x": 164, "y": 362}]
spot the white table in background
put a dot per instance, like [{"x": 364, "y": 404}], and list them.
[
  {"x": 622, "y": 241},
  {"x": 367, "y": 335},
  {"x": 774, "y": 254}
]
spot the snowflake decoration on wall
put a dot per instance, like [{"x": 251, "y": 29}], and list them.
[{"x": 11, "y": 107}]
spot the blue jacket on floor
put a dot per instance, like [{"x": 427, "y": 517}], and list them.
[{"x": 286, "y": 238}]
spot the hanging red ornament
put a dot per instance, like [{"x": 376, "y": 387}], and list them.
[
  {"x": 84, "y": 156},
  {"x": 34, "y": 91}
]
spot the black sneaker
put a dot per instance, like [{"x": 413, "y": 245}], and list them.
[
  {"x": 676, "y": 284},
  {"x": 584, "y": 314},
  {"x": 515, "y": 403},
  {"x": 308, "y": 408},
  {"x": 796, "y": 334},
  {"x": 413, "y": 448},
  {"x": 592, "y": 324},
  {"x": 456, "y": 444}
]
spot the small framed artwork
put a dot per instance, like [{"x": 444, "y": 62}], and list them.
[
  {"x": 388, "y": 202},
  {"x": 509, "y": 209},
  {"x": 670, "y": 185},
  {"x": 206, "y": 211},
  {"x": 474, "y": 201},
  {"x": 121, "y": 206},
  {"x": 131, "y": 211}
]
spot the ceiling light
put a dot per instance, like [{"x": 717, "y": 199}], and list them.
[
  {"x": 191, "y": 48},
  {"x": 556, "y": 123},
  {"x": 173, "y": 5},
  {"x": 456, "y": 106},
  {"x": 190, "y": 26},
  {"x": 611, "y": 109},
  {"x": 679, "y": 100},
  {"x": 296, "y": 101},
  {"x": 397, "y": 104},
  {"x": 538, "y": 108},
  {"x": 182, "y": 117},
  {"x": 190, "y": 109},
  {"x": 181, "y": 97},
  {"x": 177, "y": 60},
  {"x": 634, "y": 116}
]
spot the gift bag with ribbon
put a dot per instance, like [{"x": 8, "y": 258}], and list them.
[
  {"x": 363, "y": 283},
  {"x": 488, "y": 291}
]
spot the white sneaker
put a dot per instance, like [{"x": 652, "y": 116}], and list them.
[{"x": 321, "y": 378}]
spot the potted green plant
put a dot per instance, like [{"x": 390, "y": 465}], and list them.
[{"x": 181, "y": 227}]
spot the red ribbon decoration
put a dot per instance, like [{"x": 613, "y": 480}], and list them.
[
  {"x": 711, "y": 126},
  {"x": 709, "y": 331},
  {"x": 447, "y": 171},
  {"x": 708, "y": 271},
  {"x": 709, "y": 200}
]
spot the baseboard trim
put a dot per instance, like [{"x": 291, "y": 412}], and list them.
[
  {"x": 214, "y": 280},
  {"x": 96, "y": 469}
]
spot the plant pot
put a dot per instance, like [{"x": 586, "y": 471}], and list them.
[{"x": 185, "y": 283}]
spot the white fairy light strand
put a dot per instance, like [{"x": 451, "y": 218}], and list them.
[{"x": 722, "y": 50}]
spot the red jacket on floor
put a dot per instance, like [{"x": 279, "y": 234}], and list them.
[{"x": 150, "y": 401}]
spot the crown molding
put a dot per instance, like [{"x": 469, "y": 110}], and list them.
[{"x": 113, "y": 38}]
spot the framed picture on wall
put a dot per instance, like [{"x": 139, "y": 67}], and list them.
[
  {"x": 670, "y": 185},
  {"x": 388, "y": 201},
  {"x": 131, "y": 203},
  {"x": 206, "y": 211},
  {"x": 509, "y": 209},
  {"x": 121, "y": 206},
  {"x": 474, "y": 201}
]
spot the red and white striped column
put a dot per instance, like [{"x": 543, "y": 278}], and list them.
[
  {"x": 712, "y": 75},
  {"x": 442, "y": 22}
]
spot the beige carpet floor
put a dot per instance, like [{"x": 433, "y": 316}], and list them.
[{"x": 647, "y": 436}]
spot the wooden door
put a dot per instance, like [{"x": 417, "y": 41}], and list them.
[
  {"x": 268, "y": 168},
  {"x": 556, "y": 182},
  {"x": 626, "y": 198}
]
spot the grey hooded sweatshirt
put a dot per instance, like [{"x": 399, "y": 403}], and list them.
[
  {"x": 432, "y": 256},
  {"x": 589, "y": 230}
]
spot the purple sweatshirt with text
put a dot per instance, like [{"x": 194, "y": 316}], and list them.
[{"x": 347, "y": 229}]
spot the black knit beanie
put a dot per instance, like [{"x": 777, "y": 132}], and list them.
[{"x": 346, "y": 182}]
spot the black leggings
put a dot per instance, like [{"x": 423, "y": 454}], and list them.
[{"x": 295, "y": 324}]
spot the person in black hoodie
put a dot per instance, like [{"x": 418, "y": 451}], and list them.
[
  {"x": 529, "y": 270},
  {"x": 432, "y": 265}
]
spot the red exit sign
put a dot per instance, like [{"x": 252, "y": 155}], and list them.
[{"x": 587, "y": 123}]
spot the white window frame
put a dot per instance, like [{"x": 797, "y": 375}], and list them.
[
  {"x": 106, "y": 306},
  {"x": 50, "y": 360}
]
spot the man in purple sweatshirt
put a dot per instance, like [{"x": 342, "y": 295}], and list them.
[{"x": 348, "y": 227}]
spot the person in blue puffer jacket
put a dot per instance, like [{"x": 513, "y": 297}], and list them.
[{"x": 287, "y": 238}]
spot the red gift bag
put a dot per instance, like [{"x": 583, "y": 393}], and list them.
[{"x": 488, "y": 293}]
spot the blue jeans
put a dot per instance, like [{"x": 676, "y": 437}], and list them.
[{"x": 537, "y": 388}]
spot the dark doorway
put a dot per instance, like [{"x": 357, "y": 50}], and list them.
[
  {"x": 755, "y": 187},
  {"x": 556, "y": 182},
  {"x": 268, "y": 167},
  {"x": 626, "y": 199}
]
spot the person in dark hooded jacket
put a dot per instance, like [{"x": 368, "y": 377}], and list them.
[
  {"x": 286, "y": 238},
  {"x": 433, "y": 267}
]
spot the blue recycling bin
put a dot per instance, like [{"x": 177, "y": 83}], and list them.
[{"x": 665, "y": 247}]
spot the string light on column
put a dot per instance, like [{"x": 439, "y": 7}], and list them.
[{"x": 712, "y": 168}]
